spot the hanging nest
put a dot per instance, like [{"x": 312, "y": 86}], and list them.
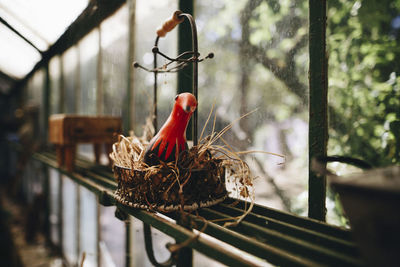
[
  {"x": 189, "y": 183},
  {"x": 195, "y": 180}
]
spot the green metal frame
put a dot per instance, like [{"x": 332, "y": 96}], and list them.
[
  {"x": 278, "y": 237},
  {"x": 318, "y": 106},
  {"x": 185, "y": 76}
]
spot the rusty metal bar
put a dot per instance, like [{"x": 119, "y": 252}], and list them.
[{"x": 318, "y": 103}]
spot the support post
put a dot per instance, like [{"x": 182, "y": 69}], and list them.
[
  {"x": 185, "y": 76},
  {"x": 318, "y": 115},
  {"x": 46, "y": 104},
  {"x": 128, "y": 114},
  {"x": 185, "y": 254}
]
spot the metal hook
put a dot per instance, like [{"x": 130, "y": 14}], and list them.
[{"x": 150, "y": 252}]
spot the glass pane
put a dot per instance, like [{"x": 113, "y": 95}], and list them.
[
  {"x": 36, "y": 100},
  {"x": 260, "y": 65},
  {"x": 32, "y": 110},
  {"x": 88, "y": 226},
  {"x": 112, "y": 238},
  {"x": 70, "y": 220},
  {"x": 88, "y": 54},
  {"x": 17, "y": 57},
  {"x": 149, "y": 16},
  {"x": 87, "y": 93},
  {"x": 71, "y": 82},
  {"x": 35, "y": 89},
  {"x": 55, "y": 85},
  {"x": 114, "y": 45},
  {"x": 201, "y": 260},
  {"x": 41, "y": 21},
  {"x": 54, "y": 202}
]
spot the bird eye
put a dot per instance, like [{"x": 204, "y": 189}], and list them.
[{"x": 176, "y": 97}]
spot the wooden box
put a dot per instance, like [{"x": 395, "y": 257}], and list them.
[{"x": 66, "y": 131}]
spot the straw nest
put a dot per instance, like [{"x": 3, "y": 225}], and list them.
[{"x": 195, "y": 179}]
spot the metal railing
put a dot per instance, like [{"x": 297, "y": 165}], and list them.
[{"x": 274, "y": 236}]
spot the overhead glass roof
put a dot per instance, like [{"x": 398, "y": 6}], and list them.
[{"x": 41, "y": 22}]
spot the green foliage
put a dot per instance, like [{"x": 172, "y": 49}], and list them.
[{"x": 364, "y": 80}]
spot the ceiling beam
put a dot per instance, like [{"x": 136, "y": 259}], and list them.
[{"x": 5, "y": 23}]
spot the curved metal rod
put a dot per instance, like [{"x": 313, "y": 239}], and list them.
[
  {"x": 178, "y": 58},
  {"x": 150, "y": 252},
  {"x": 183, "y": 63},
  {"x": 195, "y": 74},
  {"x": 180, "y": 63},
  {"x": 195, "y": 70}
]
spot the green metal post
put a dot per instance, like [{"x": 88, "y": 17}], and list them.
[
  {"x": 318, "y": 130},
  {"x": 99, "y": 80},
  {"x": 78, "y": 223},
  {"x": 128, "y": 242},
  {"x": 46, "y": 114},
  {"x": 61, "y": 100},
  {"x": 61, "y": 217},
  {"x": 185, "y": 254},
  {"x": 185, "y": 76},
  {"x": 46, "y": 103},
  {"x": 46, "y": 193},
  {"x": 185, "y": 84},
  {"x": 128, "y": 114}
]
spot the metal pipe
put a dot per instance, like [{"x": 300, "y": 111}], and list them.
[{"x": 318, "y": 114}]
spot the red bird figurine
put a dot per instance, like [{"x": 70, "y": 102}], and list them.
[{"x": 172, "y": 134}]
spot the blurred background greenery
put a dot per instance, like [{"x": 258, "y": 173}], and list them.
[{"x": 261, "y": 63}]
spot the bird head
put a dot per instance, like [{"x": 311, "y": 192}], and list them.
[{"x": 185, "y": 102}]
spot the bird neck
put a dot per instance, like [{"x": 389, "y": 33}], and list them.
[{"x": 176, "y": 123}]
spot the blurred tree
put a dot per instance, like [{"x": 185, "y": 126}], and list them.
[
  {"x": 262, "y": 62},
  {"x": 364, "y": 81}
]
